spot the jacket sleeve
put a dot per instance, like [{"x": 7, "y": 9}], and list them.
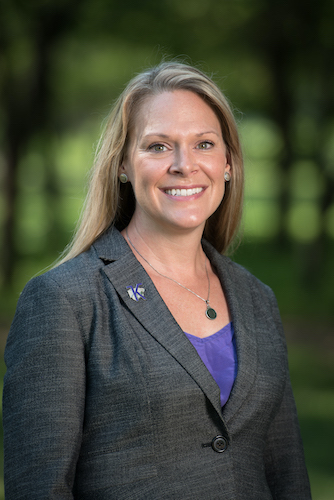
[
  {"x": 284, "y": 455},
  {"x": 44, "y": 395}
]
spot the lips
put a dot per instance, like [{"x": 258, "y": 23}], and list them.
[{"x": 184, "y": 192}]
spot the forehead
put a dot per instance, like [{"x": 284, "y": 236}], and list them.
[{"x": 179, "y": 106}]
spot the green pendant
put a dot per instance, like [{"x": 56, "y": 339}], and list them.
[{"x": 211, "y": 313}]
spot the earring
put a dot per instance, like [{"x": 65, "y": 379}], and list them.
[
  {"x": 227, "y": 176},
  {"x": 123, "y": 178}
]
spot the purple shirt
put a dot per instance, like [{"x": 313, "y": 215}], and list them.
[{"x": 218, "y": 353}]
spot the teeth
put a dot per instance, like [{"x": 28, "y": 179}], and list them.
[{"x": 184, "y": 192}]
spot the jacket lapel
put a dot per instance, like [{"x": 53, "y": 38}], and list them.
[
  {"x": 126, "y": 274},
  {"x": 123, "y": 271},
  {"x": 240, "y": 303}
]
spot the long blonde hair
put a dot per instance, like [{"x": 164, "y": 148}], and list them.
[{"x": 109, "y": 202}]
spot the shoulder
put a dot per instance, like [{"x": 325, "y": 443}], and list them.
[
  {"x": 240, "y": 283},
  {"x": 234, "y": 272},
  {"x": 79, "y": 276},
  {"x": 263, "y": 297},
  {"x": 70, "y": 279},
  {"x": 74, "y": 288},
  {"x": 243, "y": 275},
  {"x": 59, "y": 302}
]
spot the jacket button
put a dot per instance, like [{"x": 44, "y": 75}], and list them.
[{"x": 219, "y": 444}]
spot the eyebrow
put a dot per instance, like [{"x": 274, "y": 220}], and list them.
[
  {"x": 165, "y": 136},
  {"x": 207, "y": 132}
]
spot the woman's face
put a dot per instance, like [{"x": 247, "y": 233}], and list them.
[{"x": 176, "y": 162}]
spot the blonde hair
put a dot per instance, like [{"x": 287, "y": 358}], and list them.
[{"x": 109, "y": 202}]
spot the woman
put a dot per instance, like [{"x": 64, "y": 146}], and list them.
[{"x": 147, "y": 365}]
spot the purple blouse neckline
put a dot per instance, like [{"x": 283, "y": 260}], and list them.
[{"x": 227, "y": 327}]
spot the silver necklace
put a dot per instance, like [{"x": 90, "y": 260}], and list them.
[{"x": 210, "y": 313}]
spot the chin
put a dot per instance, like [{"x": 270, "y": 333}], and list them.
[{"x": 188, "y": 225}]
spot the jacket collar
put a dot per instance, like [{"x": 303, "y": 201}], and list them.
[{"x": 124, "y": 271}]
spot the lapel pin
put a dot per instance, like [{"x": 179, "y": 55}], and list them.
[{"x": 136, "y": 292}]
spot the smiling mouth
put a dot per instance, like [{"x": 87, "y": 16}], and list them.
[{"x": 184, "y": 192}]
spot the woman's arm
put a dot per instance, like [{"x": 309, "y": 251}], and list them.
[
  {"x": 44, "y": 394},
  {"x": 284, "y": 455}
]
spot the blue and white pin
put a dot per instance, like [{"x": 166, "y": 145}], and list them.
[{"x": 136, "y": 292}]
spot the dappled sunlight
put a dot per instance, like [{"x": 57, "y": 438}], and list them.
[
  {"x": 261, "y": 219},
  {"x": 304, "y": 222}
]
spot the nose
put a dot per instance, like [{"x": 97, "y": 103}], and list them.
[{"x": 184, "y": 162}]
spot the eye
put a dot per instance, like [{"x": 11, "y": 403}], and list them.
[
  {"x": 157, "y": 148},
  {"x": 205, "y": 145}
]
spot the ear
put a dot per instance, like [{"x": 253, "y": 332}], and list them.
[
  {"x": 121, "y": 169},
  {"x": 228, "y": 159}
]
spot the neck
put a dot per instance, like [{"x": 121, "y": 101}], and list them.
[{"x": 176, "y": 253}]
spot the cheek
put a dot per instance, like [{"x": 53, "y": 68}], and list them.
[
  {"x": 140, "y": 180},
  {"x": 146, "y": 174},
  {"x": 221, "y": 185},
  {"x": 219, "y": 172},
  {"x": 142, "y": 183}
]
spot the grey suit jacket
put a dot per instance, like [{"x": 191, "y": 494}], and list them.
[{"x": 105, "y": 398}]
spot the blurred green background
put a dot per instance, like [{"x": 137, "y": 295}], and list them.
[{"x": 62, "y": 64}]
